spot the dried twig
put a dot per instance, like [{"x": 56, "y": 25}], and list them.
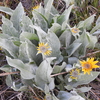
[
  {"x": 9, "y": 73},
  {"x": 97, "y": 98},
  {"x": 1, "y": 92},
  {"x": 33, "y": 91},
  {"x": 89, "y": 54},
  {"x": 58, "y": 74},
  {"x": 92, "y": 53}
]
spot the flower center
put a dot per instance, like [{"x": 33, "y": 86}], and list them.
[
  {"x": 75, "y": 30},
  {"x": 43, "y": 49},
  {"x": 74, "y": 73},
  {"x": 87, "y": 66}
]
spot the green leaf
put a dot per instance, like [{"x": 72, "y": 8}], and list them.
[
  {"x": 31, "y": 52},
  {"x": 17, "y": 16},
  {"x": 72, "y": 60},
  {"x": 65, "y": 38},
  {"x": 48, "y": 95},
  {"x": 19, "y": 87},
  {"x": 56, "y": 28},
  {"x": 17, "y": 43},
  {"x": 84, "y": 89},
  {"x": 28, "y": 82},
  {"x": 84, "y": 40},
  {"x": 9, "y": 46},
  {"x": 53, "y": 16},
  {"x": 40, "y": 20},
  {"x": 64, "y": 17},
  {"x": 25, "y": 69},
  {"x": 54, "y": 43},
  {"x": 4, "y": 36},
  {"x": 95, "y": 28},
  {"x": 27, "y": 35},
  {"x": 87, "y": 23},
  {"x": 76, "y": 97},
  {"x": 58, "y": 69},
  {"x": 50, "y": 11},
  {"x": 98, "y": 21},
  {"x": 46, "y": 89},
  {"x": 9, "y": 81},
  {"x": 63, "y": 95},
  {"x": 54, "y": 97},
  {"x": 96, "y": 33},
  {"x": 43, "y": 74},
  {"x": 6, "y": 10},
  {"x": 7, "y": 28},
  {"x": 26, "y": 21},
  {"x": 92, "y": 40},
  {"x": 7, "y": 21},
  {"x": 48, "y": 7},
  {"x": 68, "y": 67},
  {"x": 68, "y": 87},
  {"x": 72, "y": 48},
  {"x": 67, "y": 13},
  {"x": 22, "y": 53},
  {"x": 6, "y": 68},
  {"x": 41, "y": 33}
]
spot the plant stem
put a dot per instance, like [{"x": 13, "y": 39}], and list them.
[{"x": 58, "y": 74}]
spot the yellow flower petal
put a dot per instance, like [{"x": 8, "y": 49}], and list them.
[{"x": 36, "y": 7}]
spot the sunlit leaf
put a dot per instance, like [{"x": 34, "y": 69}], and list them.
[
  {"x": 87, "y": 23},
  {"x": 7, "y": 28},
  {"x": 27, "y": 35},
  {"x": 25, "y": 69},
  {"x": 43, "y": 74},
  {"x": 26, "y": 21},
  {"x": 9, "y": 46},
  {"x": 16, "y": 17},
  {"x": 72, "y": 48}
]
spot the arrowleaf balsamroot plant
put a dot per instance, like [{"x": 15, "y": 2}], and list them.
[{"x": 48, "y": 52}]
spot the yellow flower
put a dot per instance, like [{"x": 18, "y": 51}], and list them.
[
  {"x": 75, "y": 30},
  {"x": 44, "y": 49},
  {"x": 88, "y": 65},
  {"x": 0, "y": 48},
  {"x": 74, "y": 73},
  {"x": 36, "y": 7}
]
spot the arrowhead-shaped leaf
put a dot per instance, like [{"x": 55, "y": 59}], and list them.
[
  {"x": 16, "y": 17},
  {"x": 25, "y": 69},
  {"x": 43, "y": 74}
]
